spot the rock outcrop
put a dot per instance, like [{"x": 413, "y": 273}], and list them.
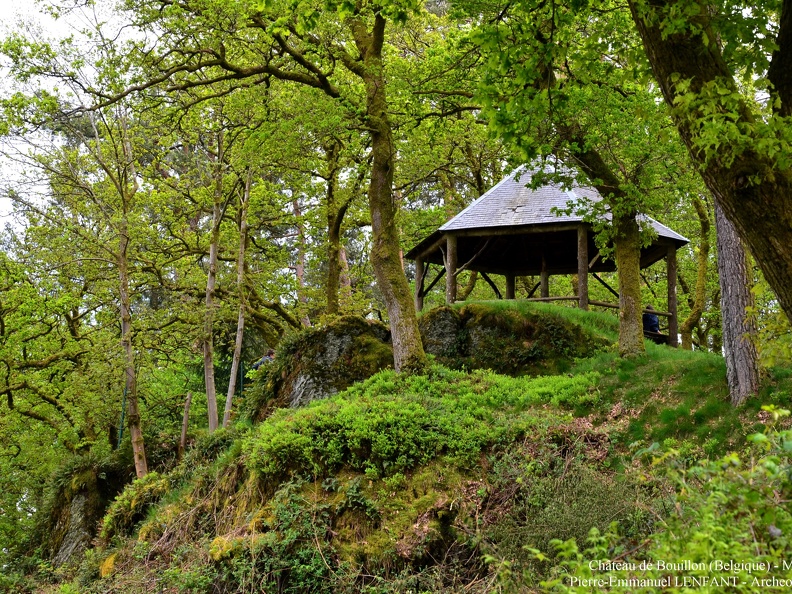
[{"x": 320, "y": 362}]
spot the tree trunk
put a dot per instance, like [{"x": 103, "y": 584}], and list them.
[
  {"x": 408, "y": 352},
  {"x": 753, "y": 191},
  {"x": 346, "y": 280},
  {"x": 628, "y": 265},
  {"x": 742, "y": 367},
  {"x": 582, "y": 275},
  {"x": 697, "y": 309},
  {"x": 333, "y": 264},
  {"x": 469, "y": 286},
  {"x": 130, "y": 375},
  {"x": 211, "y": 282},
  {"x": 627, "y": 241},
  {"x": 240, "y": 331},
  {"x": 334, "y": 219}
]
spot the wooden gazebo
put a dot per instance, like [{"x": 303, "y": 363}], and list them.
[{"x": 513, "y": 231}]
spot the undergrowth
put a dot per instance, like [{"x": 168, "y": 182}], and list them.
[
  {"x": 438, "y": 482},
  {"x": 392, "y": 423},
  {"x": 729, "y": 530}
]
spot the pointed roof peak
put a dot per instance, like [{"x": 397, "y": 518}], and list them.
[{"x": 512, "y": 202}]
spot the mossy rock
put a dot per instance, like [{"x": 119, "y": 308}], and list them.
[
  {"x": 319, "y": 362},
  {"x": 442, "y": 331},
  {"x": 132, "y": 504},
  {"x": 509, "y": 341},
  {"x": 77, "y": 496}
]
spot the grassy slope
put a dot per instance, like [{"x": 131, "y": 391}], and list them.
[{"x": 409, "y": 482}]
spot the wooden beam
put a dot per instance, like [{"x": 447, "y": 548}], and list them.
[
  {"x": 573, "y": 298},
  {"x": 663, "y": 314},
  {"x": 515, "y": 230},
  {"x": 420, "y": 274},
  {"x": 510, "y": 286},
  {"x": 606, "y": 285},
  {"x": 486, "y": 277},
  {"x": 673, "y": 321},
  {"x": 583, "y": 296},
  {"x": 434, "y": 282},
  {"x": 544, "y": 278},
  {"x": 531, "y": 294},
  {"x": 451, "y": 266},
  {"x": 430, "y": 248}
]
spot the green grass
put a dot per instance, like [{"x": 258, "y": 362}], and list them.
[
  {"x": 681, "y": 395},
  {"x": 668, "y": 393},
  {"x": 596, "y": 322}
]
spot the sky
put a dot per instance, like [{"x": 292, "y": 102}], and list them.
[{"x": 13, "y": 16}]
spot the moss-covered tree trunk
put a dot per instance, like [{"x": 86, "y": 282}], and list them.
[
  {"x": 628, "y": 264},
  {"x": 469, "y": 286},
  {"x": 749, "y": 182},
  {"x": 408, "y": 352},
  {"x": 702, "y": 259},
  {"x": 626, "y": 239},
  {"x": 211, "y": 283}
]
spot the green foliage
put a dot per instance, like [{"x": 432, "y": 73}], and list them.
[
  {"x": 391, "y": 423},
  {"x": 284, "y": 553},
  {"x": 132, "y": 504},
  {"x": 15, "y": 582},
  {"x": 207, "y": 448},
  {"x": 727, "y": 510},
  {"x": 774, "y": 337},
  {"x": 561, "y": 499}
]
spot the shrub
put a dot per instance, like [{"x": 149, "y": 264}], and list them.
[
  {"x": 730, "y": 511},
  {"x": 131, "y": 506},
  {"x": 392, "y": 423}
]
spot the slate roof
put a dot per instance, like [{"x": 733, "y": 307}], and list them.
[{"x": 511, "y": 203}]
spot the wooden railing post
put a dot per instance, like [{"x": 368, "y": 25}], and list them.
[
  {"x": 420, "y": 271},
  {"x": 451, "y": 266}
]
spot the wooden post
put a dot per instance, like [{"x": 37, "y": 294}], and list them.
[
  {"x": 510, "y": 286},
  {"x": 544, "y": 279},
  {"x": 583, "y": 297},
  {"x": 419, "y": 283},
  {"x": 673, "y": 321},
  {"x": 451, "y": 266}
]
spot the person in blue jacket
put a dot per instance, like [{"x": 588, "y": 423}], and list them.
[
  {"x": 269, "y": 357},
  {"x": 651, "y": 323}
]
